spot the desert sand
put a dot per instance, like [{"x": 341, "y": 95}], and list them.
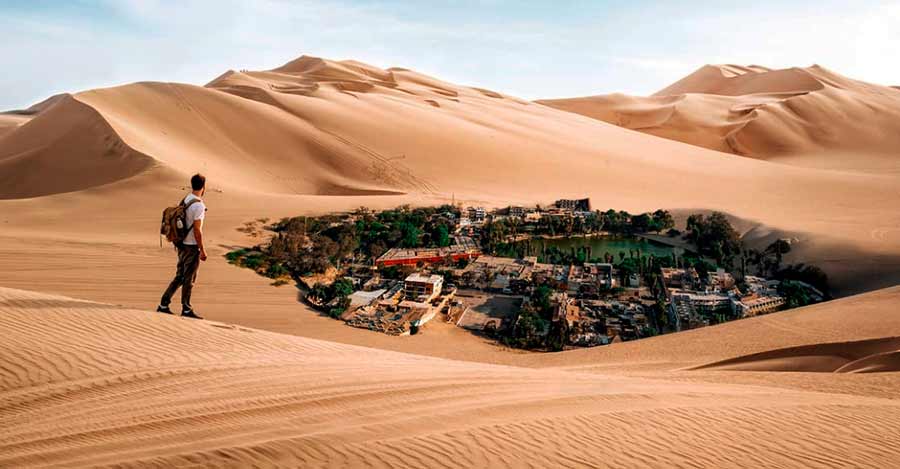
[
  {"x": 805, "y": 116},
  {"x": 84, "y": 176},
  {"x": 315, "y": 127},
  {"x": 84, "y": 384}
]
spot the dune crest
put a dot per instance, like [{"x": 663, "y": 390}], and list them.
[
  {"x": 806, "y": 116},
  {"x": 67, "y": 146}
]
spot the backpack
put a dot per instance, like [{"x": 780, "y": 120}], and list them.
[{"x": 174, "y": 222}]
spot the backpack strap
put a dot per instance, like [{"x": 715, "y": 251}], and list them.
[{"x": 186, "y": 207}]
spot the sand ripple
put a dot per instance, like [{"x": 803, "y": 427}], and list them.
[{"x": 84, "y": 384}]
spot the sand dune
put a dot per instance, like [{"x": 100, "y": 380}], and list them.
[
  {"x": 805, "y": 116},
  {"x": 11, "y": 120},
  {"x": 67, "y": 147},
  {"x": 321, "y": 127},
  {"x": 842, "y": 357},
  {"x": 81, "y": 383},
  {"x": 83, "y": 178}
]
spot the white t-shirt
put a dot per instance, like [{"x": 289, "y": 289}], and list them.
[{"x": 195, "y": 212}]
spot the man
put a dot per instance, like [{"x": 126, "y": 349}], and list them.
[{"x": 190, "y": 252}]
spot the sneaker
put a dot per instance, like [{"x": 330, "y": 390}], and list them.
[
  {"x": 189, "y": 313},
  {"x": 163, "y": 309}
]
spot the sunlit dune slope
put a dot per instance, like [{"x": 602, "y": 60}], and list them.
[
  {"x": 11, "y": 121},
  {"x": 86, "y": 384},
  {"x": 830, "y": 120},
  {"x": 316, "y": 127}
]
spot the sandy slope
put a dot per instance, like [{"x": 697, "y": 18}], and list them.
[
  {"x": 11, "y": 121},
  {"x": 81, "y": 383},
  {"x": 84, "y": 177},
  {"x": 319, "y": 127},
  {"x": 805, "y": 116}
]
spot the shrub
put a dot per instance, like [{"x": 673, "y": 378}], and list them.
[
  {"x": 234, "y": 256},
  {"x": 276, "y": 270},
  {"x": 253, "y": 262},
  {"x": 339, "y": 309}
]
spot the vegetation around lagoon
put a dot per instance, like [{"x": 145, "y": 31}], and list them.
[{"x": 333, "y": 255}]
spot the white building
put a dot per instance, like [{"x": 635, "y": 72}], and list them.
[{"x": 423, "y": 288}]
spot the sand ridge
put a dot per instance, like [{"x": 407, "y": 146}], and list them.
[
  {"x": 81, "y": 382},
  {"x": 316, "y": 127},
  {"x": 809, "y": 116}
]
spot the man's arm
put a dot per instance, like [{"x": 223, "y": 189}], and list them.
[{"x": 198, "y": 235}]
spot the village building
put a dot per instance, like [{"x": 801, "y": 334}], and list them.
[
  {"x": 720, "y": 280},
  {"x": 754, "y": 305},
  {"x": 692, "y": 306},
  {"x": 761, "y": 286},
  {"x": 574, "y": 205},
  {"x": 680, "y": 278},
  {"x": 476, "y": 215},
  {"x": 464, "y": 248},
  {"x": 423, "y": 288}
]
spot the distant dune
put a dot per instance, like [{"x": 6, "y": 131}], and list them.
[
  {"x": 806, "y": 116},
  {"x": 316, "y": 127},
  {"x": 87, "y": 384}
]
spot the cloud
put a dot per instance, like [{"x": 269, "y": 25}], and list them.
[{"x": 530, "y": 49}]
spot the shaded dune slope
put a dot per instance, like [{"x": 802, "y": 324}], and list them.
[
  {"x": 67, "y": 146},
  {"x": 87, "y": 384},
  {"x": 866, "y": 356},
  {"x": 762, "y": 113}
]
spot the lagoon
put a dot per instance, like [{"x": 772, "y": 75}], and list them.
[{"x": 599, "y": 245}]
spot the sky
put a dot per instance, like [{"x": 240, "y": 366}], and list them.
[{"x": 530, "y": 49}]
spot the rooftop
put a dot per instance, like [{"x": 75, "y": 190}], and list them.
[{"x": 419, "y": 278}]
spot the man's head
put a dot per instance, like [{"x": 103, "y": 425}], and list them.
[{"x": 198, "y": 183}]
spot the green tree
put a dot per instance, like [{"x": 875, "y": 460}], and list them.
[
  {"x": 442, "y": 235},
  {"x": 641, "y": 223},
  {"x": 409, "y": 235},
  {"x": 662, "y": 220},
  {"x": 319, "y": 292},
  {"x": 778, "y": 248},
  {"x": 794, "y": 294},
  {"x": 341, "y": 287},
  {"x": 714, "y": 236},
  {"x": 540, "y": 298},
  {"x": 337, "y": 310},
  {"x": 529, "y": 330}
]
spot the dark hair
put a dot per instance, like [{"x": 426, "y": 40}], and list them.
[{"x": 198, "y": 181}]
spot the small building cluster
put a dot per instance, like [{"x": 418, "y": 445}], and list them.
[
  {"x": 695, "y": 303},
  {"x": 399, "y": 307},
  {"x": 464, "y": 248}
]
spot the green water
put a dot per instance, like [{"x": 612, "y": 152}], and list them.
[{"x": 602, "y": 244}]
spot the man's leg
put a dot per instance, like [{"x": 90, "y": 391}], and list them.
[
  {"x": 189, "y": 275},
  {"x": 176, "y": 282}
]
